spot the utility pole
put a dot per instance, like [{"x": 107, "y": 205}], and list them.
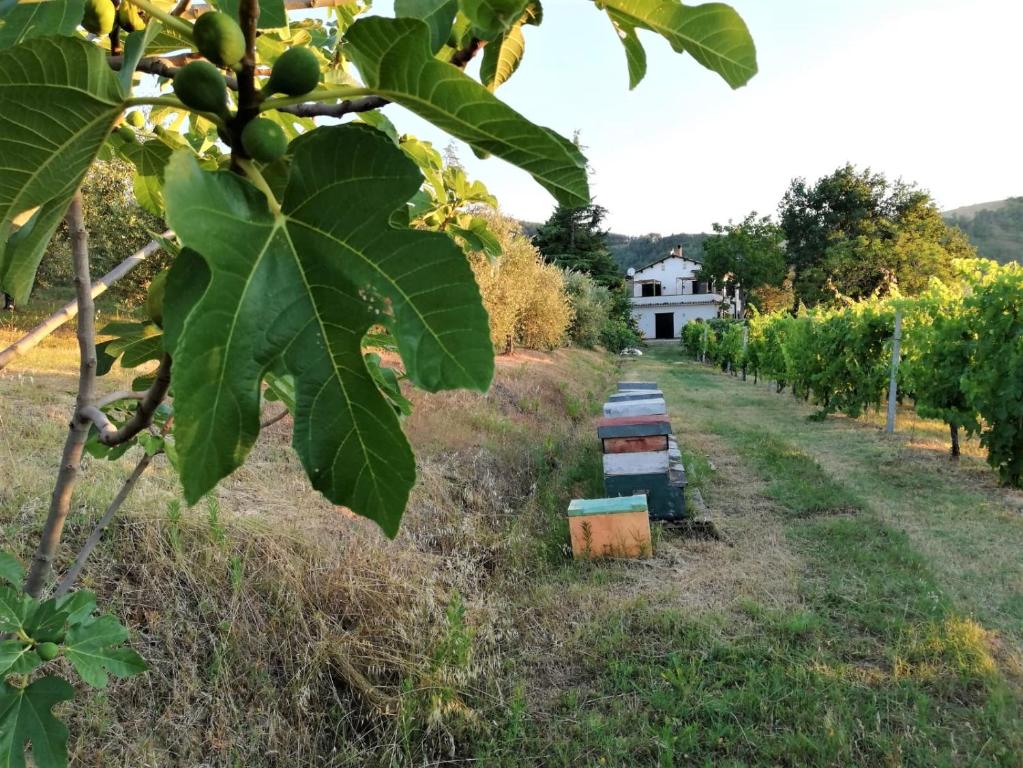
[{"x": 889, "y": 426}]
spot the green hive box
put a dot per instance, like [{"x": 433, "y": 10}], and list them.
[
  {"x": 665, "y": 498},
  {"x": 624, "y": 386}
]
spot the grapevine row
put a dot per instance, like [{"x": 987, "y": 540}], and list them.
[{"x": 961, "y": 358}]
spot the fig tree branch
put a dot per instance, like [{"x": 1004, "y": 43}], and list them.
[
  {"x": 143, "y": 416},
  {"x": 78, "y": 430},
  {"x": 172, "y": 22},
  {"x": 120, "y": 394},
  {"x": 464, "y": 56},
  {"x": 291, "y": 5},
  {"x": 101, "y": 526},
  {"x": 248, "y": 95},
  {"x": 273, "y": 419},
  {"x": 69, "y": 310},
  {"x": 347, "y": 107}
]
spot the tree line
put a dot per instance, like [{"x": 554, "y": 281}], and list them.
[{"x": 850, "y": 235}]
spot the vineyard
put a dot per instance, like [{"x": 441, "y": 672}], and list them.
[{"x": 961, "y": 356}]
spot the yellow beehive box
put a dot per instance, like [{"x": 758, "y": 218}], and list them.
[{"x": 615, "y": 527}]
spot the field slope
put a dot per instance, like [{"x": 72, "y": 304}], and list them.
[{"x": 863, "y": 605}]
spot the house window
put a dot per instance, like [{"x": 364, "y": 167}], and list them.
[{"x": 651, "y": 289}]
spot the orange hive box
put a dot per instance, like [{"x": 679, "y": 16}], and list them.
[
  {"x": 618, "y": 527},
  {"x": 636, "y": 444}
]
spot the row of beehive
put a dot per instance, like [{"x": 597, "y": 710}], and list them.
[{"x": 643, "y": 476}]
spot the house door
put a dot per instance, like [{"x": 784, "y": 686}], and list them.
[{"x": 664, "y": 325}]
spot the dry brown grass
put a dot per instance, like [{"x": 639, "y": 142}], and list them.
[{"x": 254, "y": 618}]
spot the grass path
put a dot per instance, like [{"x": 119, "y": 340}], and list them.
[
  {"x": 863, "y": 608},
  {"x": 969, "y": 530}
]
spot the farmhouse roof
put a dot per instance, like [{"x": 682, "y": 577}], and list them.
[{"x": 671, "y": 255}]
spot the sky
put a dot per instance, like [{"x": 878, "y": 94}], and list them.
[{"x": 930, "y": 91}]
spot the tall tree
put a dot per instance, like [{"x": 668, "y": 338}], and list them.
[
  {"x": 572, "y": 238},
  {"x": 855, "y": 233},
  {"x": 747, "y": 256}
]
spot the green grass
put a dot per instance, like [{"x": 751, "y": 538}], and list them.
[
  {"x": 795, "y": 480},
  {"x": 968, "y": 529},
  {"x": 877, "y": 659}
]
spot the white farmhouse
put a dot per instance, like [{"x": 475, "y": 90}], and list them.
[{"x": 667, "y": 294}]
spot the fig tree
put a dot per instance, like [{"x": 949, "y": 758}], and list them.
[
  {"x": 295, "y": 73},
  {"x": 264, "y": 140},
  {"x": 154, "y": 299},
  {"x": 200, "y": 86},
  {"x": 99, "y": 16},
  {"x": 129, "y": 18},
  {"x": 47, "y": 651},
  {"x": 219, "y": 38}
]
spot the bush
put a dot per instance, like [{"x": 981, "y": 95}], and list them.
[
  {"x": 118, "y": 227},
  {"x": 591, "y": 304},
  {"x": 618, "y": 335},
  {"x": 525, "y": 298}
]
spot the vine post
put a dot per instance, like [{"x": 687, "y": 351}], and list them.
[{"x": 893, "y": 382}]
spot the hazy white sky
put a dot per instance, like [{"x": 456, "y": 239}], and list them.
[{"x": 927, "y": 90}]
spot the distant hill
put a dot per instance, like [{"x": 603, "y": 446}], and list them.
[
  {"x": 640, "y": 250},
  {"x": 995, "y": 228},
  {"x": 644, "y": 249}
]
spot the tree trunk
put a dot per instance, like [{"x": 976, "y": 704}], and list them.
[
  {"x": 78, "y": 431},
  {"x": 954, "y": 430}
]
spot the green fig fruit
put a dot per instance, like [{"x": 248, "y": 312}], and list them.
[
  {"x": 295, "y": 73},
  {"x": 129, "y": 18},
  {"x": 154, "y": 298},
  {"x": 200, "y": 86},
  {"x": 264, "y": 140},
  {"x": 135, "y": 119},
  {"x": 126, "y": 133},
  {"x": 48, "y": 651},
  {"x": 219, "y": 38},
  {"x": 99, "y": 17}
]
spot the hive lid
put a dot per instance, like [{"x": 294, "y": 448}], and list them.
[
  {"x": 633, "y": 426},
  {"x": 636, "y": 394},
  {"x": 610, "y": 506},
  {"x": 649, "y": 406}
]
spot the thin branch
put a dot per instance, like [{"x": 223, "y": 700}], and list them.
[
  {"x": 78, "y": 431},
  {"x": 121, "y": 394},
  {"x": 196, "y": 11},
  {"x": 168, "y": 66},
  {"x": 143, "y": 415},
  {"x": 99, "y": 419},
  {"x": 464, "y": 56},
  {"x": 274, "y": 419},
  {"x": 69, "y": 310},
  {"x": 97, "y": 533},
  {"x": 180, "y": 8},
  {"x": 349, "y": 106}
]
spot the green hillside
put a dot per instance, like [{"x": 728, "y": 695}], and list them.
[
  {"x": 639, "y": 251},
  {"x": 995, "y": 228}
]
